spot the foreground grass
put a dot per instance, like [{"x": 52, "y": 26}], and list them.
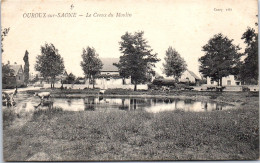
[{"x": 56, "y": 135}]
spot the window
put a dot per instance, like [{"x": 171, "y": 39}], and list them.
[
  {"x": 19, "y": 78},
  {"x": 229, "y": 82},
  {"x": 212, "y": 82}
]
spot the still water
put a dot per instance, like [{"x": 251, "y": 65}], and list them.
[{"x": 153, "y": 105}]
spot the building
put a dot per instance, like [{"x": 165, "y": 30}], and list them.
[
  {"x": 109, "y": 75},
  {"x": 190, "y": 77},
  {"x": 108, "y": 67},
  {"x": 16, "y": 79},
  {"x": 187, "y": 77},
  {"x": 226, "y": 81},
  {"x": 60, "y": 78}
]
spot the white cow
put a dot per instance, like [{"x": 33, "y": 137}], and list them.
[{"x": 43, "y": 95}]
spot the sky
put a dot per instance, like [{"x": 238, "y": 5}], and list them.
[{"x": 186, "y": 25}]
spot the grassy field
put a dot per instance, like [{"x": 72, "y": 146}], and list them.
[{"x": 56, "y": 135}]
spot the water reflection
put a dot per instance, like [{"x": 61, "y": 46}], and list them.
[
  {"x": 153, "y": 105},
  {"x": 69, "y": 102},
  {"x": 89, "y": 103}
]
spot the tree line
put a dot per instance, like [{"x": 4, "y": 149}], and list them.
[{"x": 222, "y": 58}]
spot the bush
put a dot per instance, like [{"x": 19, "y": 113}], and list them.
[
  {"x": 163, "y": 82},
  {"x": 180, "y": 86},
  {"x": 245, "y": 89}
]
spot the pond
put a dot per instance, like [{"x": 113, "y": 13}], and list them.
[{"x": 153, "y": 105}]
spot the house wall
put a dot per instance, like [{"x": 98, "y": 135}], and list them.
[
  {"x": 226, "y": 81},
  {"x": 109, "y": 73},
  {"x": 82, "y": 86},
  {"x": 14, "y": 81},
  {"x": 186, "y": 76},
  {"x": 104, "y": 83}
]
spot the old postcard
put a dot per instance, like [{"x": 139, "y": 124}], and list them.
[{"x": 149, "y": 80}]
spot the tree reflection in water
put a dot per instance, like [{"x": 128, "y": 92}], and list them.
[
  {"x": 131, "y": 104},
  {"x": 69, "y": 102},
  {"x": 205, "y": 106},
  {"x": 218, "y": 107},
  {"x": 89, "y": 103},
  {"x": 123, "y": 106}
]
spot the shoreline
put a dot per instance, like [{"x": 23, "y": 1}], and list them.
[{"x": 193, "y": 95}]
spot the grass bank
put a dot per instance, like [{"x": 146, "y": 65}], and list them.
[{"x": 56, "y": 135}]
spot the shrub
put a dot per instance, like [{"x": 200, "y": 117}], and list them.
[
  {"x": 180, "y": 86},
  {"x": 163, "y": 82}
]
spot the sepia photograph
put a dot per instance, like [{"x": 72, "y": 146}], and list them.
[{"x": 129, "y": 80}]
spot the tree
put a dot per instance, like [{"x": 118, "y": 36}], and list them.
[
  {"x": 220, "y": 59},
  {"x": 137, "y": 60},
  {"x": 248, "y": 69},
  {"x": 91, "y": 64},
  {"x": 35, "y": 79},
  {"x": 3, "y": 35},
  {"x": 174, "y": 64},
  {"x": 6, "y": 72},
  {"x": 26, "y": 67},
  {"x": 50, "y": 64},
  {"x": 123, "y": 71},
  {"x": 70, "y": 79}
]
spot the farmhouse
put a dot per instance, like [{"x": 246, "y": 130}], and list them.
[
  {"x": 108, "y": 67},
  {"x": 109, "y": 75},
  {"x": 16, "y": 78},
  {"x": 61, "y": 77},
  {"x": 226, "y": 81},
  {"x": 187, "y": 77}
]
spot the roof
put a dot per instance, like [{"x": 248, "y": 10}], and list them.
[
  {"x": 16, "y": 68},
  {"x": 108, "y": 64},
  {"x": 194, "y": 75},
  {"x": 63, "y": 75}
]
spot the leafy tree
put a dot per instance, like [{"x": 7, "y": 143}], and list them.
[
  {"x": 248, "y": 69},
  {"x": 35, "y": 79},
  {"x": 123, "y": 71},
  {"x": 50, "y": 64},
  {"x": 91, "y": 64},
  {"x": 3, "y": 35},
  {"x": 137, "y": 60},
  {"x": 26, "y": 67},
  {"x": 174, "y": 64},
  {"x": 220, "y": 59},
  {"x": 6, "y": 72},
  {"x": 70, "y": 79}
]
